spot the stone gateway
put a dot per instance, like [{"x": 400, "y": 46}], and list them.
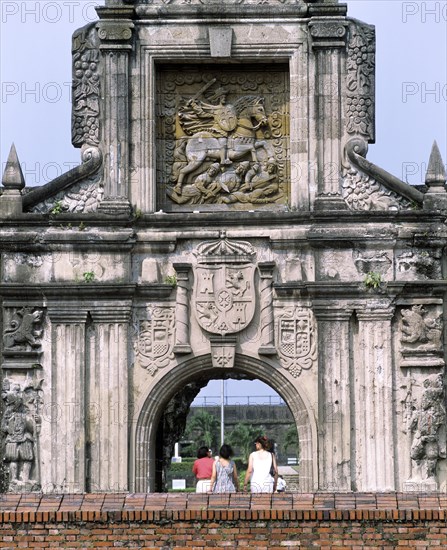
[{"x": 224, "y": 223}]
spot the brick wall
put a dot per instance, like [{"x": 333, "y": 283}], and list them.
[{"x": 177, "y": 521}]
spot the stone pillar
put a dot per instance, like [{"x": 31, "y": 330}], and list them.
[
  {"x": 182, "y": 338},
  {"x": 328, "y": 43},
  {"x": 108, "y": 402},
  {"x": 67, "y": 409},
  {"x": 334, "y": 417},
  {"x": 373, "y": 395},
  {"x": 267, "y": 320},
  {"x": 115, "y": 33}
]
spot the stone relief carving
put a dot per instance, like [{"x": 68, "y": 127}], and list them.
[
  {"x": 86, "y": 87},
  {"x": 155, "y": 340},
  {"x": 360, "y": 81},
  {"x": 362, "y": 192},
  {"x": 224, "y": 294},
  {"x": 421, "y": 329},
  {"x": 426, "y": 423},
  {"x": 24, "y": 330},
  {"x": 419, "y": 265},
  {"x": 81, "y": 197},
  {"x": 296, "y": 339},
  {"x": 20, "y": 427},
  {"x": 224, "y": 137},
  {"x": 371, "y": 261}
]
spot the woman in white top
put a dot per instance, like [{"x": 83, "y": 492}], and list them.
[{"x": 261, "y": 466}]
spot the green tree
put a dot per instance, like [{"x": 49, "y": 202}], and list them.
[
  {"x": 203, "y": 427},
  {"x": 243, "y": 436},
  {"x": 291, "y": 440}
]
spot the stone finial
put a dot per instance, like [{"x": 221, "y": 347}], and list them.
[
  {"x": 435, "y": 177},
  {"x": 13, "y": 175}
]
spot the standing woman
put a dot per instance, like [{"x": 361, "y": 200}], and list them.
[
  {"x": 224, "y": 478},
  {"x": 202, "y": 469},
  {"x": 262, "y": 470}
]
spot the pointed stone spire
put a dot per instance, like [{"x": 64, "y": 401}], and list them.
[
  {"x": 435, "y": 178},
  {"x": 13, "y": 175}
]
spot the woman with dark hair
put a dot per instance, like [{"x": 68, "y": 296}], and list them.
[
  {"x": 203, "y": 469},
  {"x": 224, "y": 478},
  {"x": 262, "y": 470}
]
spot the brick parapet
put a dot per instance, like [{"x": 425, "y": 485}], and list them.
[{"x": 105, "y": 507}]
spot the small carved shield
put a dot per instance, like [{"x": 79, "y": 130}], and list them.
[
  {"x": 227, "y": 118},
  {"x": 154, "y": 343},
  {"x": 224, "y": 297}
]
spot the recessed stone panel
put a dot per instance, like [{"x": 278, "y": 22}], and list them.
[{"x": 222, "y": 135}]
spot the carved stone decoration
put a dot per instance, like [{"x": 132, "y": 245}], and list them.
[
  {"x": 155, "y": 341},
  {"x": 421, "y": 336},
  {"x": 81, "y": 197},
  {"x": 419, "y": 265},
  {"x": 371, "y": 261},
  {"x": 296, "y": 339},
  {"x": 223, "y": 138},
  {"x": 362, "y": 192},
  {"x": 360, "y": 81},
  {"x": 24, "y": 329},
  {"x": 86, "y": 87},
  {"x": 224, "y": 292},
  {"x": 426, "y": 419},
  {"x": 20, "y": 429}
]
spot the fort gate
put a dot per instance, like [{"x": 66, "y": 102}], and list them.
[{"x": 224, "y": 223}]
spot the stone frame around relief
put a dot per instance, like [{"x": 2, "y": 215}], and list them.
[
  {"x": 222, "y": 136},
  {"x": 149, "y": 57}
]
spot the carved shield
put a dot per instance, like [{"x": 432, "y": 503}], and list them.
[
  {"x": 227, "y": 118},
  {"x": 224, "y": 297},
  {"x": 295, "y": 334}
]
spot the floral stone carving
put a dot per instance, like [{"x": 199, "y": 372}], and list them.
[
  {"x": 223, "y": 137},
  {"x": 86, "y": 87},
  {"x": 20, "y": 427},
  {"x": 155, "y": 341},
  {"x": 360, "y": 81},
  {"x": 297, "y": 339},
  {"x": 421, "y": 337}
]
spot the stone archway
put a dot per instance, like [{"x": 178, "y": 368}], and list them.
[{"x": 175, "y": 379}]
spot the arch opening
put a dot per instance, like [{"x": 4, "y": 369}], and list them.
[{"x": 183, "y": 383}]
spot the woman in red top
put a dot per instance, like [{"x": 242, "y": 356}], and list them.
[{"x": 203, "y": 469}]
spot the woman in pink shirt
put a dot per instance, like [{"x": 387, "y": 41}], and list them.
[{"x": 203, "y": 469}]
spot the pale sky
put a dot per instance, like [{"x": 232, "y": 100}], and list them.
[{"x": 35, "y": 75}]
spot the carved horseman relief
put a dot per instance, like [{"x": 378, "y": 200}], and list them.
[
  {"x": 20, "y": 430},
  {"x": 223, "y": 138}
]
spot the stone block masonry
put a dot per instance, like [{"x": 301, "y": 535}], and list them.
[{"x": 408, "y": 521}]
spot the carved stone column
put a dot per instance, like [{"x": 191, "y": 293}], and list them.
[
  {"x": 267, "y": 320},
  {"x": 373, "y": 395},
  {"x": 108, "y": 404},
  {"x": 182, "y": 341},
  {"x": 334, "y": 418},
  {"x": 328, "y": 43},
  {"x": 115, "y": 33},
  {"x": 66, "y": 471}
]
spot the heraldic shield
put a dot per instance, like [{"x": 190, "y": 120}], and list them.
[
  {"x": 224, "y": 290},
  {"x": 224, "y": 297}
]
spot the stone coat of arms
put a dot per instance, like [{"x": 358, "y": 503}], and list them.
[{"x": 224, "y": 290}]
